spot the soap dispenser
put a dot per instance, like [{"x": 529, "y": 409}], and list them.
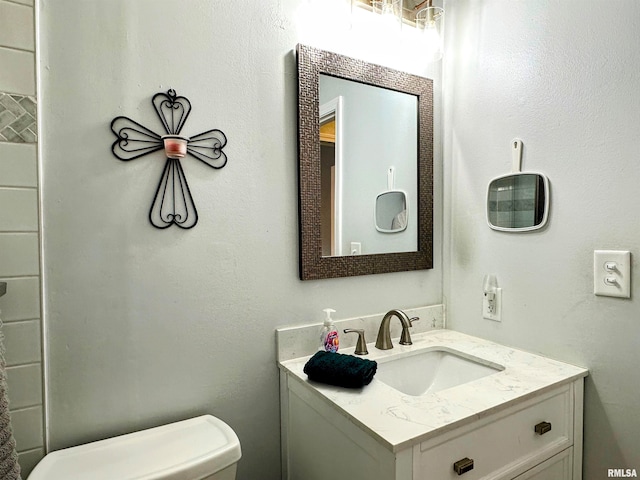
[{"x": 329, "y": 341}]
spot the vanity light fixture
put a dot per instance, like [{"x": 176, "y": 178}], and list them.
[{"x": 424, "y": 16}]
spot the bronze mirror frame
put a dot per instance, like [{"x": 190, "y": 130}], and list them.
[{"x": 311, "y": 63}]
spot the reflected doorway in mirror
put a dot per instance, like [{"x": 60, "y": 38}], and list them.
[{"x": 331, "y": 176}]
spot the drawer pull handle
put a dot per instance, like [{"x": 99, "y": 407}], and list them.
[
  {"x": 463, "y": 466},
  {"x": 542, "y": 428}
]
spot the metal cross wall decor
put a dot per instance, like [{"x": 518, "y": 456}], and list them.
[{"x": 173, "y": 204}]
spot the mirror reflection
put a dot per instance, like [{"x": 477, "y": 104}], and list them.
[
  {"x": 518, "y": 202},
  {"x": 391, "y": 212},
  {"x": 364, "y": 130}
]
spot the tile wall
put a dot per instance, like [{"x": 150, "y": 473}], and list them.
[{"x": 19, "y": 228}]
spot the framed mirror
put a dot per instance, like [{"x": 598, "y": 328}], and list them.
[
  {"x": 357, "y": 122},
  {"x": 518, "y": 202}
]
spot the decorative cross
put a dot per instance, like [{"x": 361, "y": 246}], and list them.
[{"x": 173, "y": 203}]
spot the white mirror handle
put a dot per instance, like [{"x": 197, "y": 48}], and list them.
[
  {"x": 516, "y": 155},
  {"x": 391, "y": 181}
]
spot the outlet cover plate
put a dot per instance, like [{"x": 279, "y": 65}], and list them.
[{"x": 496, "y": 315}]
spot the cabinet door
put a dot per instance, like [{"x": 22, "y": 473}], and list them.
[{"x": 557, "y": 467}]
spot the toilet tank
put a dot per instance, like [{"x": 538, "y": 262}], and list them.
[{"x": 192, "y": 449}]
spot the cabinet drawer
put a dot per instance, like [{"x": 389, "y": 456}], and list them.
[
  {"x": 501, "y": 445},
  {"x": 558, "y": 467}
]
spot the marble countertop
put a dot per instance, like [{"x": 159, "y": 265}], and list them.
[{"x": 399, "y": 421}]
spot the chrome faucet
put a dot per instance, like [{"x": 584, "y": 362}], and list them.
[{"x": 383, "y": 341}]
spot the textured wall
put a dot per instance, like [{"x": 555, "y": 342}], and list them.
[
  {"x": 564, "y": 77},
  {"x": 19, "y": 226},
  {"x": 148, "y": 326}
]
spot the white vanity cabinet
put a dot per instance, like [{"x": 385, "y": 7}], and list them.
[
  {"x": 522, "y": 422},
  {"x": 514, "y": 442}
]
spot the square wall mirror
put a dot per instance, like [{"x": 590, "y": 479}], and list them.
[
  {"x": 365, "y": 167},
  {"x": 518, "y": 202}
]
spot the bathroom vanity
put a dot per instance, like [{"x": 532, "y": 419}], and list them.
[{"x": 492, "y": 412}]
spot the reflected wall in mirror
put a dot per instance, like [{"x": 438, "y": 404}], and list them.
[
  {"x": 357, "y": 123},
  {"x": 518, "y": 202}
]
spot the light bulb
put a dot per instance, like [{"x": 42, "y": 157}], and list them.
[
  {"x": 433, "y": 43},
  {"x": 389, "y": 11},
  {"x": 429, "y": 21}
]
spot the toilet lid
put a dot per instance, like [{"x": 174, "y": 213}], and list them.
[{"x": 189, "y": 449}]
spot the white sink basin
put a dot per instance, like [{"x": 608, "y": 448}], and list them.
[{"x": 431, "y": 371}]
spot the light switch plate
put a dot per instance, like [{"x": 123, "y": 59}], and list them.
[{"x": 612, "y": 273}]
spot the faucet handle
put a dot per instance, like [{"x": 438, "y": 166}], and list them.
[
  {"x": 405, "y": 337},
  {"x": 361, "y": 345}
]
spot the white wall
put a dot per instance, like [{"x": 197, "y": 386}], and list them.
[
  {"x": 564, "y": 77},
  {"x": 147, "y": 326}
]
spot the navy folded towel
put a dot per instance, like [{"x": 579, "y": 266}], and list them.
[{"x": 341, "y": 370}]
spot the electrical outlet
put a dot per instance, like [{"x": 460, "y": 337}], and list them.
[{"x": 492, "y": 305}]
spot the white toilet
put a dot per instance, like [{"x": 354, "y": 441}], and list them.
[{"x": 201, "y": 448}]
